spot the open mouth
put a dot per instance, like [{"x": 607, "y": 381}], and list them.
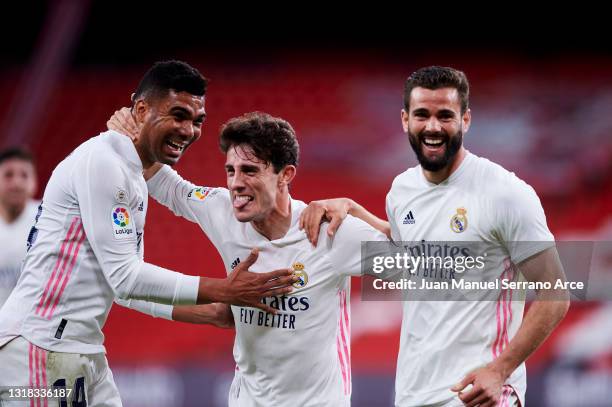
[
  {"x": 240, "y": 201},
  {"x": 435, "y": 145},
  {"x": 176, "y": 146},
  {"x": 431, "y": 142}
]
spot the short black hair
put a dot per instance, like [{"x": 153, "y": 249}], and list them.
[
  {"x": 271, "y": 138},
  {"x": 437, "y": 77},
  {"x": 16, "y": 153},
  {"x": 174, "y": 75}
]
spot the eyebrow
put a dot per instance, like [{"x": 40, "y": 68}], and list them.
[
  {"x": 186, "y": 112},
  {"x": 420, "y": 111},
  {"x": 177, "y": 109},
  {"x": 446, "y": 112},
  {"x": 243, "y": 167}
]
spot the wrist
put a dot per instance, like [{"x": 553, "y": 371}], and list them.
[
  {"x": 501, "y": 367},
  {"x": 212, "y": 290},
  {"x": 351, "y": 206}
]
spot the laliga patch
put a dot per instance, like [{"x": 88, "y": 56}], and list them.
[
  {"x": 199, "y": 194},
  {"x": 123, "y": 225}
]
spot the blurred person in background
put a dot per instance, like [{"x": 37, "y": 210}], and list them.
[{"x": 17, "y": 212}]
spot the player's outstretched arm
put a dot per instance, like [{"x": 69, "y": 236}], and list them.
[
  {"x": 545, "y": 313},
  {"x": 334, "y": 211},
  {"x": 219, "y": 315},
  {"x": 245, "y": 288}
]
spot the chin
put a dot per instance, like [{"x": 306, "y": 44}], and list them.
[
  {"x": 243, "y": 217},
  {"x": 170, "y": 160}
]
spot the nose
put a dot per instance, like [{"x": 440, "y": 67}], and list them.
[
  {"x": 433, "y": 125},
  {"x": 187, "y": 129},
  {"x": 235, "y": 182}
]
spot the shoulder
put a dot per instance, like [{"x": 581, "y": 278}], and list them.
[
  {"x": 99, "y": 152},
  {"x": 97, "y": 165},
  {"x": 503, "y": 186},
  {"x": 406, "y": 178},
  {"x": 404, "y": 181}
]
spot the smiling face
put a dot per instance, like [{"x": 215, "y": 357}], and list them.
[
  {"x": 170, "y": 124},
  {"x": 435, "y": 126},
  {"x": 255, "y": 189}
]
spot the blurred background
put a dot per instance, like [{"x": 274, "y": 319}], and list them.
[{"x": 541, "y": 107}]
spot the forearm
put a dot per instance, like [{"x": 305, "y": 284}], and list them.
[
  {"x": 153, "y": 309},
  {"x": 545, "y": 312},
  {"x": 211, "y": 314},
  {"x": 540, "y": 321},
  {"x": 362, "y": 213},
  {"x": 149, "y": 282}
]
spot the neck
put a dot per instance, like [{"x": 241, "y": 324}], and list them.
[
  {"x": 11, "y": 213},
  {"x": 436, "y": 177},
  {"x": 146, "y": 162},
  {"x": 276, "y": 224}
]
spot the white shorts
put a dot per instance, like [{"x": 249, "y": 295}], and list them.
[{"x": 23, "y": 364}]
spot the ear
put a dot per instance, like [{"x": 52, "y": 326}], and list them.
[
  {"x": 140, "y": 110},
  {"x": 405, "y": 120},
  {"x": 467, "y": 120},
  {"x": 286, "y": 175}
]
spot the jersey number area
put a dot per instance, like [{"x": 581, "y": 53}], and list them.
[{"x": 78, "y": 393}]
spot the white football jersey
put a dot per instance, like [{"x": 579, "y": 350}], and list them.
[
  {"x": 86, "y": 249},
  {"x": 441, "y": 341},
  {"x": 13, "y": 240},
  {"x": 301, "y": 356}
]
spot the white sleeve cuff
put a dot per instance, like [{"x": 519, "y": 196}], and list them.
[
  {"x": 157, "y": 284},
  {"x": 150, "y": 308},
  {"x": 187, "y": 289}
]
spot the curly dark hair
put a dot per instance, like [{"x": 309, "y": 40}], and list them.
[
  {"x": 272, "y": 139},
  {"x": 437, "y": 77}
]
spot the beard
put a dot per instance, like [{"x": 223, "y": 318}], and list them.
[{"x": 452, "y": 143}]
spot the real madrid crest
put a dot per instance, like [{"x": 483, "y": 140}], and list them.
[
  {"x": 459, "y": 221},
  {"x": 298, "y": 270}
]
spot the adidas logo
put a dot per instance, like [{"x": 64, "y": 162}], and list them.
[
  {"x": 235, "y": 263},
  {"x": 409, "y": 219}
]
